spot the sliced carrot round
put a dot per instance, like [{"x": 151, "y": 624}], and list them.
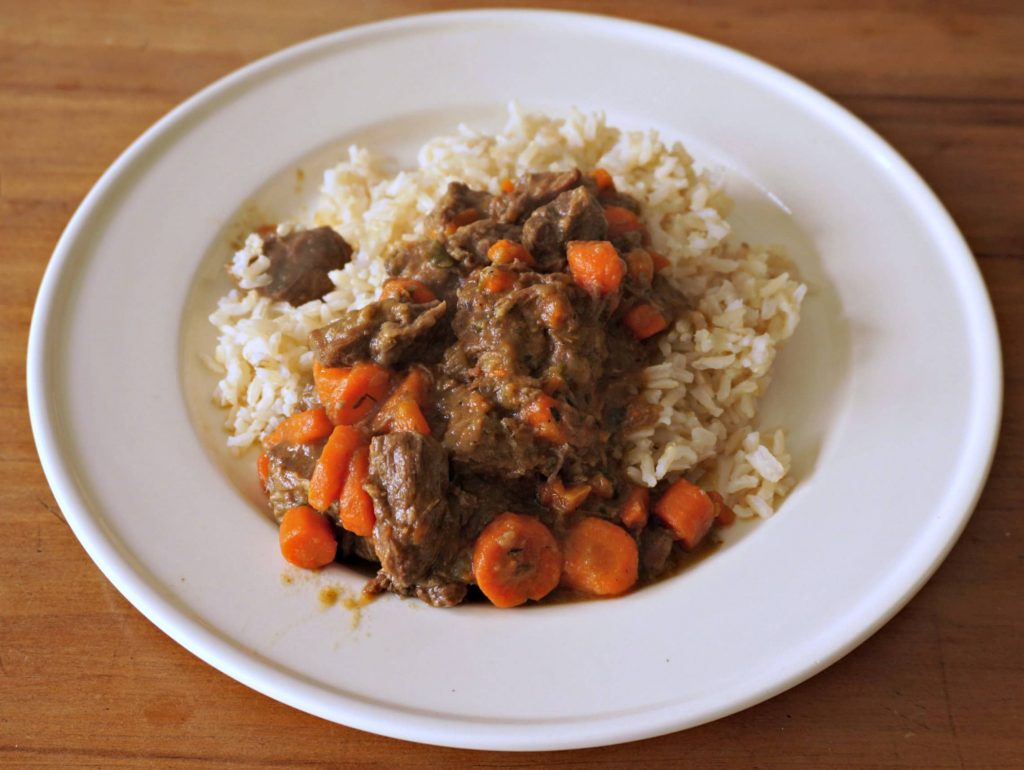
[
  {"x": 307, "y": 539},
  {"x": 355, "y": 506},
  {"x": 300, "y": 428},
  {"x": 601, "y": 558},
  {"x": 349, "y": 394},
  {"x": 644, "y": 320},
  {"x": 332, "y": 466},
  {"x": 687, "y": 510},
  {"x": 516, "y": 558}
]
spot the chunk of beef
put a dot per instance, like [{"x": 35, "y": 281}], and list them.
[
  {"x": 459, "y": 206},
  {"x": 575, "y": 215},
  {"x": 427, "y": 261},
  {"x": 626, "y": 242},
  {"x": 486, "y": 439},
  {"x": 350, "y": 544},
  {"x": 545, "y": 328},
  {"x": 655, "y": 549},
  {"x": 289, "y": 468},
  {"x": 299, "y": 263},
  {"x": 388, "y": 332},
  {"x": 536, "y": 190},
  {"x": 469, "y": 244},
  {"x": 414, "y": 535}
]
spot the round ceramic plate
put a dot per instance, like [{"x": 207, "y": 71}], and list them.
[{"x": 890, "y": 387}]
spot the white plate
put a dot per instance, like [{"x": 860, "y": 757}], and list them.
[{"x": 891, "y": 387}]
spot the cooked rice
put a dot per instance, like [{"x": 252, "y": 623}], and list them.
[{"x": 715, "y": 360}]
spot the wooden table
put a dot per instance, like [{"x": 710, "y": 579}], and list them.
[{"x": 86, "y": 681}]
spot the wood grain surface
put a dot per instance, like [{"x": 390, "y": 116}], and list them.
[{"x": 87, "y": 681}]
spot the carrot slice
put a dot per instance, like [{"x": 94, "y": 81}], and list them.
[
  {"x": 603, "y": 180},
  {"x": 355, "y": 506},
  {"x": 401, "y": 414},
  {"x": 416, "y": 385},
  {"x": 516, "y": 558},
  {"x": 660, "y": 262},
  {"x": 263, "y": 470},
  {"x": 497, "y": 281},
  {"x": 301, "y": 428},
  {"x": 349, "y": 395},
  {"x": 407, "y": 290},
  {"x": 505, "y": 252},
  {"x": 332, "y": 466},
  {"x": 306, "y": 538},
  {"x": 644, "y": 320},
  {"x": 543, "y": 415},
  {"x": 621, "y": 221},
  {"x": 687, "y": 510},
  {"x": 562, "y": 499},
  {"x": 507, "y": 185},
  {"x": 634, "y": 507},
  {"x": 641, "y": 266},
  {"x": 601, "y": 558},
  {"x": 595, "y": 266}
]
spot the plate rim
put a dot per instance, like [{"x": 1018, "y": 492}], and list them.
[{"x": 230, "y": 657}]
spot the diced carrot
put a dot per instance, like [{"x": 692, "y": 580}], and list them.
[
  {"x": 603, "y": 180},
  {"x": 600, "y": 558},
  {"x": 301, "y": 428},
  {"x": 355, "y": 506},
  {"x": 505, "y": 252},
  {"x": 263, "y": 469},
  {"x": 349, "y": 395},
  {"x": 660, "y": 262},
  {"x": 561, "y": 499},
  {"x": 516, "y": 558},
  {"x": 401, "y": 414},
  {"x": 306, "y": 538},
  {"x": 595, "y": 266},
  {"x": 621, "y": 221},
  {"x": 543, "y": 415},
  {"x": 407, "y": 290},
  {"x": 641, "y": 266},
  {"x": 415, "y": 384},
  {"x": 497, "y": 281},
  {"x": 644, "y": 320},
  {"x": 634, "y": 507},
  {"x": 724, "y": 515},
  {"x": 464, "y": 217},
  {"x": 507, "y": 185},
  {"x": 687, "y": 510},
  {"x": 332, "y": 466}
]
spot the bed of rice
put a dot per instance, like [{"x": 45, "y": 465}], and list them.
[{"x": 716, "y": 360}]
